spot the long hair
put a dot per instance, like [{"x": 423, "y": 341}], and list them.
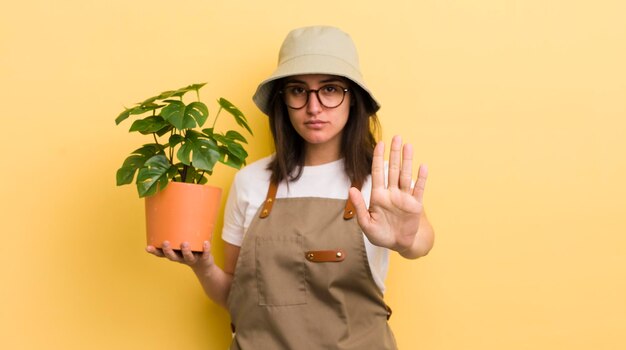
[{"x": 357, "y": 144}]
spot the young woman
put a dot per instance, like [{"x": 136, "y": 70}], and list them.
[{"x": 309, "y": 229}]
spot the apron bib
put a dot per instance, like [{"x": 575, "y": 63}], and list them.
[{"x": 303, "y": 281}]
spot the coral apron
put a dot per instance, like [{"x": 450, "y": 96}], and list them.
[{"x": 303, "y": 281}]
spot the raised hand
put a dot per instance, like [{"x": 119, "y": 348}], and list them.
[{"x": 396, "y": 209}]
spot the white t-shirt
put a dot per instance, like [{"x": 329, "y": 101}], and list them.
[{"x": 324, "y": 181}]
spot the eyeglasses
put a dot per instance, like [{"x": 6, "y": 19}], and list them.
[{"x": 330, "y": 96}]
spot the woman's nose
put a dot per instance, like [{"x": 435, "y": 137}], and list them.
[{"x": 313, "y": 106}]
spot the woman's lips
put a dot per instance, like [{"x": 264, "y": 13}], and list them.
[{"x": 315, "y": 124}]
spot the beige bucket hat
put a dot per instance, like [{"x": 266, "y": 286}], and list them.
[{"x": 314, "y": 50}]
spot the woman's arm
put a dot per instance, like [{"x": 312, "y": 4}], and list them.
[{"x": 215, "y": 281}]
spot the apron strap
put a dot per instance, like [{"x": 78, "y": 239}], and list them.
[
  {"x": 270, "y": 198},
  {"x": 349, "y": 211}
]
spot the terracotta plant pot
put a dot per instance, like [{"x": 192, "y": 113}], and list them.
[{"x": 182, "y": 212}]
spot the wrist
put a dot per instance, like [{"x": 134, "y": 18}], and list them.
[{"x": 202, "y": 268}]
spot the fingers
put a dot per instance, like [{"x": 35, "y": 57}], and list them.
[
  {"x": 362, "y": 214},
  {"x": 188, "y": 255},
  {"x": 192, "y": 258},
  {"x": 154, "y": 251},
  {"x": 394, "y": 161},
  {"x": 407, "y": 168},
  {"x": 400, "y": 169},
  {"x": 420, "y": 184},
  {"x": 400, "y": 165},
  {"x": 378, "y": 166},
  {"x": 185, "y": 255},
  {"x": 206, "y": 250},
  {"x": 169, "y": 253}
]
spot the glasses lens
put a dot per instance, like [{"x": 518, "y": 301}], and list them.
[
  {"x": 330, "y": 96},
  {"x": 295, "y": 96}
]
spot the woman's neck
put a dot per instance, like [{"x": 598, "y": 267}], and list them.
[{"x": 321, "y": 154}]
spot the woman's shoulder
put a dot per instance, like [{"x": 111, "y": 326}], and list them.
[
  {"x": 253, "y": 179},
  {"x": 255, "y": 170}
]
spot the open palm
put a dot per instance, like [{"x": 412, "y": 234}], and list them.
[{"x": 395, "y": 209}]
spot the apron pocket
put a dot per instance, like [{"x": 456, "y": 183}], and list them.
[{"x": 280, "y": 272}]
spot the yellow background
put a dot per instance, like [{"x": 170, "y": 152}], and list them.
[{"x": 518, "y": 107}]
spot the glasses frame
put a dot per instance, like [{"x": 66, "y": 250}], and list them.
[{"x": 316, "y": 91}]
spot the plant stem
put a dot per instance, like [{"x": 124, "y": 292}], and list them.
[
  {"x": 201, "y": 176},
  {"x": 184, "y": 174},
  {"x": 215, "y": 120},
  {"x": 171, "y": 154},
  {"x": 171, "y": 148}
]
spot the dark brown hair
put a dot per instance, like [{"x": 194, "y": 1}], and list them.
[{"x": 357, "y": 143}]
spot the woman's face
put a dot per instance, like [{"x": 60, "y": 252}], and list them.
[{"x": 316, "y": 124}]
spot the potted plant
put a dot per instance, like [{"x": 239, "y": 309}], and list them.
[{"x": 171, "y": 171}]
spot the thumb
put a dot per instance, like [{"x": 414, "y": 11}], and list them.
[{"x": 362, "y": 214}]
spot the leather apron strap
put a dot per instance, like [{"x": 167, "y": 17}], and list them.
[{"x": 270, "y": 198}]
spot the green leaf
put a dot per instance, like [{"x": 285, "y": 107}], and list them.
[
  {"x": 149, "y": 100},
  {"x": 165, "y": 95},
  {"x": 219, "y": 138},
  {"x": 232, "y": 161},
  {"x": 175, "y": 139},
  {"x": 122, "y": 116},
  {"x": 164, "y": 130},
  {"x": 179, "y": 92},
  {"x": 193, "y": 87},
  {"x": 126, "y": 173},
  {"x": 139, "y": 109},
  {"x": 154, "y": 175},
  {"x": 193, "y": 175},
  {"x": 208, "y": 132},
  {"x": 232, "y": 153},
  {"x": 201, "y": 179},
  {"x": 150, "y": 149},
  {"x": 179, "y": 168},
  {"x": 149, "y": 103},
  {"x": 204, "y": 152},
  {"x": 198, "y": 111},
  {"x": 196, "y": 86},
  {"x": 233, "y": 135},
  {"x": 147, "y": 106},
  {"x": 128, "y": 112},
  {"x": 235, "y": 112},
  {"x": 136, "y": 160},
  {"x": 231, "y": 146},
  {"x": 175, "y": 114},
  {"x": 149, "y": 125},
  {"x": 235, "y": 149}
]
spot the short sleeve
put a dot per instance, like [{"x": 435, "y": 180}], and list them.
[{"x": 234, "y": 217}]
